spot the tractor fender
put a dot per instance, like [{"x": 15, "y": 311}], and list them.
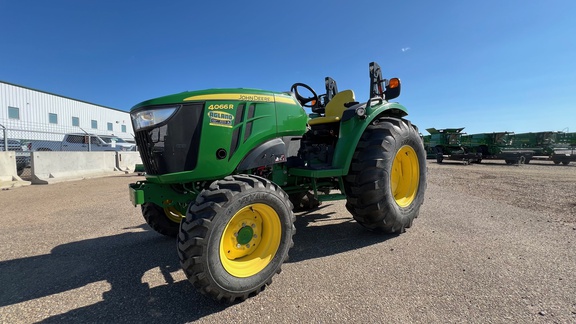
[
  {"x": 352, "y": 127},
  {"x": 267, "y": 153}
]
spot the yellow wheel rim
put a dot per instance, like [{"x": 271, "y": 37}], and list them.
[
  {"x": 173, "y": 213},
  {"x": 405, "y": 176},
  {"x": 250, "y": 240}
]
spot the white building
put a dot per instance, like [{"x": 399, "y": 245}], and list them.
[{"x": 27, "y": 113}]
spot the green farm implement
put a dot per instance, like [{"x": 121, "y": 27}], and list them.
[
  {"x": 557, "y": 147},
  {"x": 565, "y": 148},
  {"x": 542, "y": 143},
  {"x": 225, "y": 168},
  {"x": 496, "y": 146},
  {"x": 447, "y": 144}
]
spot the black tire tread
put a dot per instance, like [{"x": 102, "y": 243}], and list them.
[
  {"x": 367, "y": 182},
  {"x": 158, "y": 221},
  {"x": 304, "y": 201},
  {"x": 192, "y": 242}
]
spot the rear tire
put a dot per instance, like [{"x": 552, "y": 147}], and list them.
[
  {"x": 235, "y": 237},
  {"x": 165, "y": 221},
  {"x": 387, "y": 178}
]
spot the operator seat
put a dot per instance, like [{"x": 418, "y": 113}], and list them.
[{"x": 335, "y": 108}]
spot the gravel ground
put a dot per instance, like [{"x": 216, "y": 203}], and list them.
[
  {"x": 493, "y": 244},
  {"x": 539, "y": 186}
]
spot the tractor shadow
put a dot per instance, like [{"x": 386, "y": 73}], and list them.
[
  {"x": 123, "y": 260},
  {"x": 320, "y": 234}
]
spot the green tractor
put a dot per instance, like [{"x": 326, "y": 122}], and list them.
[{"x": 225, "y": 168}]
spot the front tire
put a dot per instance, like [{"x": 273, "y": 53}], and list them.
[
  {"x": 304, "y": 201},
  {"x": 387, "y": 178},
  {"x": 236, "y": 236}
]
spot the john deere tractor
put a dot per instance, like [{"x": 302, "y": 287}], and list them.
[{"x": 225, "y": 168}]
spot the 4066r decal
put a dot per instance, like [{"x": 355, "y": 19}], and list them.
[{"x": 220, "y": 118}]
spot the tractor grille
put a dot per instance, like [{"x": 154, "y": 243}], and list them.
[{"x": 172, "y": 146}]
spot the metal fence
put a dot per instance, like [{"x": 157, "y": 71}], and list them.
[
  {"x": 61, "y": 139},
  {"x": 10, "y": 141},
  {"x": 24, "y": 140}
]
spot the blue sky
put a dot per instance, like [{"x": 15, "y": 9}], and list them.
[{"x": 484, "y": 65}]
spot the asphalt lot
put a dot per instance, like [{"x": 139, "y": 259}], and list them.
[{"x": 79, "y": 252}]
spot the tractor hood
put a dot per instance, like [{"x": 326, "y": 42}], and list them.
[
  {"x": 242, "y": 94},
  {"x": 208, "y": 134}
]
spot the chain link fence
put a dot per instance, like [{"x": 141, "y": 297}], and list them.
[
  {"x": 11, "y": 141},
  {"x": 24, "y": 140}
]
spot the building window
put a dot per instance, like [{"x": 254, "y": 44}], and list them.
[
  {"x": 13, "y": 113},
  {"x": 52, "y": 118},
  {"x": 94, "y": 124},
  {"x": 75, "y": 121},
  {"x": 110, "y": 127},
  {"x": 123, "y": 128}
]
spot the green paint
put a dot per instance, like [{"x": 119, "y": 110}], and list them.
[
  {"x": 245, "y": 235},
  {"x": 250, "y": 117}
]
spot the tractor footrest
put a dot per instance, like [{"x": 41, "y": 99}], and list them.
[
  {"x": 331, "y": 197},
  {"x": 310, "y": 173}
]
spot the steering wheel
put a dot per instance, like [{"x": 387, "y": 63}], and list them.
[{"x": 304, "y": 100}]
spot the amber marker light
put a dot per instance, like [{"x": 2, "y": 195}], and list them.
[{"x": 393, "y": 83}]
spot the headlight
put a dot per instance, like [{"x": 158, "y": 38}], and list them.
[
  {"x": 147, "y": 118},
  {"x": 361, "y": 112}
]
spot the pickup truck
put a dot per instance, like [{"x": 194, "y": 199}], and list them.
[
  {"x": 115, "y": 140},
  {"x": 79, "y": 142},
  {"x": 22, "y": 157}
]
